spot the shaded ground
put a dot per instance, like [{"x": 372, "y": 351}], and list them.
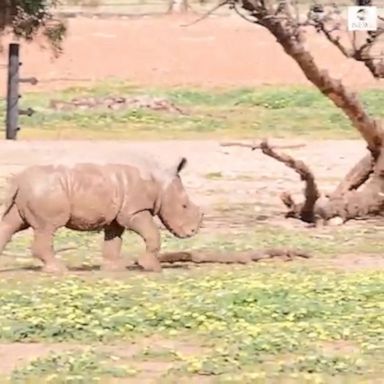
[{"x": 159, "y": 51}]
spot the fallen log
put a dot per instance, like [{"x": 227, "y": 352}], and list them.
[
  {"x": 212, "y": 257},
  {"x": 254, "y": 146}
]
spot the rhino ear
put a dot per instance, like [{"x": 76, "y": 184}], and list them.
[{"x": 181, "y": 163}]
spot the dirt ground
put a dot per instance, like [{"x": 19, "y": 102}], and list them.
[
  {"x": 219, "y": 51},
  {"x": 215, "y": 52},
  {"x": 14, "y": 354},
  {"x": 158, "y": 51},
  {"x": 214, "y": 175},
  {"x": 235, "y": 187}
]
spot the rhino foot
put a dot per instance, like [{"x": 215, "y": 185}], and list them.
[
  {"x": 108, "y": 266},
  {"x": 149, "y": 263},
  {"x": 55, "y": 268}
]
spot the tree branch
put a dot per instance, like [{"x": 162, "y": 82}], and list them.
[
  {"x": 200, "y": 257},
  {"x": 289, "y": 36},
  {"x": 327, "y": 20},
  {"x": 311, "y": 192},
  {"x": 356, "y": 177},
  {"x": 258, "y": 145}
]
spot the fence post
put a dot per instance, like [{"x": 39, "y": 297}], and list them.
[{"x": 13, "y": 111}]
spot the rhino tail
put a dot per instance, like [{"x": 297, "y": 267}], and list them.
[{"x": 10, "y": 196}]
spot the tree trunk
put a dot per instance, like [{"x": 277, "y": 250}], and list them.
[
  {"x": 289, "y": 39},
  {"x": 178, "y": 6},
  {"x": 346, "y": 201}
]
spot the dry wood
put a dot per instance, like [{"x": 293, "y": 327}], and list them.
[
  {"x": 329, "y": 24},
  {"x": 117, "y": 103},
  {"x": 356, "y": 177},
  {"x": 200, "y": 257},
  {"x": 311, "y": 192},
  {"x": 282, "y": 21},
  {"x": 369, "y": 128},
  {"x": 258, "y": 145}
]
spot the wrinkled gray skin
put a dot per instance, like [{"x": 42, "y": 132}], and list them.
[{"x": 91, "y": 197}]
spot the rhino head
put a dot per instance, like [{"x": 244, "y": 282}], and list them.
[{"x": 177, "y": 212}]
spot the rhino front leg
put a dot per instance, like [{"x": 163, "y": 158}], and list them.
[
  {"x": 112, "y": 260},
  {"x": 142, "y": 223},
  {"x": 42, "y": 248}
]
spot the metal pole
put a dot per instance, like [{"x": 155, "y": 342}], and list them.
[{"x": 12, "y": 113}]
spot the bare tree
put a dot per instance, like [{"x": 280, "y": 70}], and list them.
[{"x": 361, "y": 193}]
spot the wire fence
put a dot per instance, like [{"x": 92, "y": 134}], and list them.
[
  {"x": 129, "y": 8},
  {"x": 138, "y": 8}
]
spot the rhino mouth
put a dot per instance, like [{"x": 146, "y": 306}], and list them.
[{"x": 180, "y": 235}]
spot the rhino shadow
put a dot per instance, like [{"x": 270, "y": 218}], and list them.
[{"x": 93, "y": 268}]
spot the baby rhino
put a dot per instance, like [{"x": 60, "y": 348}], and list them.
[{"x": 92, "y": 197}]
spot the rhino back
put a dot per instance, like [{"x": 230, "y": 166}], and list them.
[
  {"x": 83, "y": 196},
  {"x": 101, "y": 193},
  {"x": 95, "y": 194}
]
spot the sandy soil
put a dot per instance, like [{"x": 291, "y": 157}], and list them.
[
  {"x": 219, "y": 51},
  {"x": 15, "y": 355},
  {"x": 215, "y": 175},
  {"x": 215, "y": 52}
]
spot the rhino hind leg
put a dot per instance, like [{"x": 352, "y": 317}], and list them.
[
  {"x": 111, "y": 254},
  {"x": 42, "y": 248},
  {"x": 142, "y": 224},
  {"x": 9, "y": 225}
]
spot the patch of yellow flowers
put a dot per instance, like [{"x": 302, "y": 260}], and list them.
[{"x": 245, "y": 316}]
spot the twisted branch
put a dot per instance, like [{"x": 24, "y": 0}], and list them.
[
  {"x": 327, "y": 21},
  {"x": 304, "y": 211},
  {"x": 356, "y": 177},
  {"x": 258, "y": 145}
]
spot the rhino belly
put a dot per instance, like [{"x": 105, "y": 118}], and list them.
[
  {"x": 93, "y": 205},
  {"x": 88, "y": 215}
]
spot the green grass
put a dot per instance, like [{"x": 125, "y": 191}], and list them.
[
  {"x": 262, "y": 320},
  {"x": 85, "y": 247},
  {"x": 307, "y": 321},
  {"x": 303, "y": 321},
  {"x": 73, "y": 366},
  {"x": 280, "y": 112}
]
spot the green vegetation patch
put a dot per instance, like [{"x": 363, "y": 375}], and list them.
[
  {"x": 284, "y": 112},
  {"x": 302, "y": 321},
  {"x": 83, "y": 250},
  {"x": 78, "y": 367},
  {"x": 249, "y": 319}
]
